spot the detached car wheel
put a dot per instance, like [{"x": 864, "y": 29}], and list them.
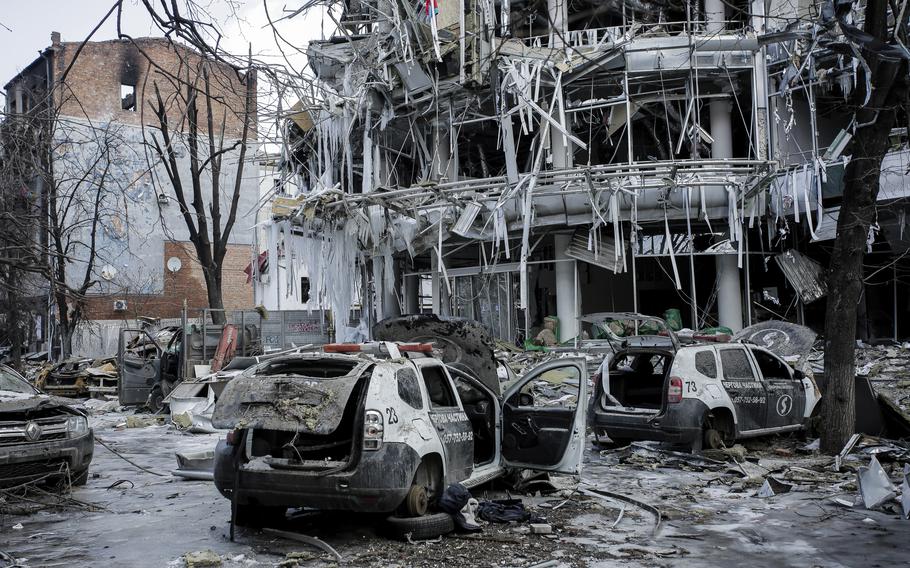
[{"x": 420, "y": 528}]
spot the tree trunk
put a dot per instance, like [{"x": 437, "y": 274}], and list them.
[
  {"x": 216, "y": 299},
  {"x": 845, "y": 272}
]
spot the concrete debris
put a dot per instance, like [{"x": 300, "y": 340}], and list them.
[
  {"x": 875, "y": 487},
  {"x": 202, "y": 559},
  {"x": 773, "y": 487}
]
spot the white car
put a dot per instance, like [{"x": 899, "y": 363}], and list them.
[
  {"x": 385, "y": 427},
  {"x": 703, "y": 394}
]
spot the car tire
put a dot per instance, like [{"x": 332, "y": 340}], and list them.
[
  {"x": 156, "y": 399},
  {"x": 713, "y": 439},
  {"x": 258, "y": 515},
  {"x": 79, "y": 478},
  {"x": 420, "y": 528}
]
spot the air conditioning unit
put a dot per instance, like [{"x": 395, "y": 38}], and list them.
[{"x": 119, "y": 305}]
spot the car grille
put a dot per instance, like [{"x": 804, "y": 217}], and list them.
[
  {"x": 14, "y": 473},
  {"x": 14, "y": 432}
]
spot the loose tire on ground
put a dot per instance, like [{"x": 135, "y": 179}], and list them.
[{"x": 420, "y": 528}]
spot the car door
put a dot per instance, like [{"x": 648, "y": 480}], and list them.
[
  {"x": 543, "y": 417},
  {"x": 138, "y": 374},
  {"x": 745, "y": 388},
  {"x": 786, "y": 396},
  {"x": 449, "y": 419}
]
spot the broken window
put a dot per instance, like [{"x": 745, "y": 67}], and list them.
[
  {"x": 736, "y": 364},
  {"x": 408, "y": 391},
  {"x": 128, "y": 97},
  {"x": 438, "y": 389},
  {"x": 556, "y": 388},
  {"x": 706, "y": 364},
  {"x": 771, "y": 367}
]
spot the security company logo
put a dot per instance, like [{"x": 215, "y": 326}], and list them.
[
  {"x": 32, "y": 431},
  {"x": 784, "y": 405}
]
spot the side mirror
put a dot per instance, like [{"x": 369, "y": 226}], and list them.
[{"x": 798, "y": 375}]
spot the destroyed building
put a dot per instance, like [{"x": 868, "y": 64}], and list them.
[
  {"x": 99, "y": 99},
  {"x": 508, "y": 161}
]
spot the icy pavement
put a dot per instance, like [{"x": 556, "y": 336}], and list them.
[{"x": 710, "y": 518}]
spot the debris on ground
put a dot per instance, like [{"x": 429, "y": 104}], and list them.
[{"x": 202, "y": 559}]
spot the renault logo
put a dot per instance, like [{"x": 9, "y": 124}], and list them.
[{"x": 32, "y": 431}]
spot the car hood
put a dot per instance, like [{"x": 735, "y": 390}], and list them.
[
  {"x": 784, "y": 339},
  {"x": 11, "y": 401},
  {"x": 459, "y": 342},
  {"x": 288, "y": 402}
]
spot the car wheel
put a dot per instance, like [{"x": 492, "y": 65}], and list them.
[
  {"x": 156, "y": 399},
  {"x": 713, "y": 439},
  {"x": 258, "y": 515},
  {"x": 420, "y": 528},
  {"x": 79, "y": 478},
  {"x": 416, "y": 503}
]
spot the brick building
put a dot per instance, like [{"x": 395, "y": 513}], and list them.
[{"x": 105, "y": 128}]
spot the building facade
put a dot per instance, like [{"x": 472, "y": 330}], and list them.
[
  {"x": 509, "y": 161},
  {"x": 100, "y": 100}
]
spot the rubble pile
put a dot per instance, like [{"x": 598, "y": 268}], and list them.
[{"x": 79, "y": 377}]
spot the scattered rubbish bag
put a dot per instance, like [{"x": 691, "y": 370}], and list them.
[
  {"x": 874, "y": 485},
  {"x": 773, "y": 487},
  {"x": 202, "y": 559},
  {"x": 503, "y": 511},
  {"x": 456, "y": 500},
  {"x": 195, "y": 465}
]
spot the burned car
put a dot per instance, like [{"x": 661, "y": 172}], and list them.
[
  {"x": 41, "y": 436},
  {"x": 703, "y": 394},
  {"x": 385, "y": 427}
]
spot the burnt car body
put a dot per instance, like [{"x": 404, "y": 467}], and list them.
[
  {"x": 41, "y": 436},
  {"x": 704, "y": 394},
  {"x": 386, "y": 432}
]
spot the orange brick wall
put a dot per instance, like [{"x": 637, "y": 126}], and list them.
[
  {"x": 92, "y": 86},
  {"x": 187, "y": 283}
]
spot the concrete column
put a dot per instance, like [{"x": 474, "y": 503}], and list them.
[
  {"x": 721, "y": 128},
  {"x": 557, "y": 12},
  {"x": 729, "y": 292},
  {"x": 715, "y": 14},
  {"x": 729, "y": 289},
  {"x": 560, "y": 146},
  {"x": 566, "y": 297}
]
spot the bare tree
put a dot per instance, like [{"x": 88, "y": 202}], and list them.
[
  {"x": 57, "y": 192},
  {"x": 208, "y": 225},
  {"x": 886, "y": 71}
]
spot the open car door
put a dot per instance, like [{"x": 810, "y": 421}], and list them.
[{"x": 543, "y": 418}]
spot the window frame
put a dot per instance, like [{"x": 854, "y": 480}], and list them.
[
  {"x": 756, "y": 375},
  {"x": 135, "y": 106},
  {"x": 447, "y": 384},
  {"x": 713, "y": 356}
]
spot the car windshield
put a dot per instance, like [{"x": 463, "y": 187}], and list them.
[{"x": 9, "y": 381}]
